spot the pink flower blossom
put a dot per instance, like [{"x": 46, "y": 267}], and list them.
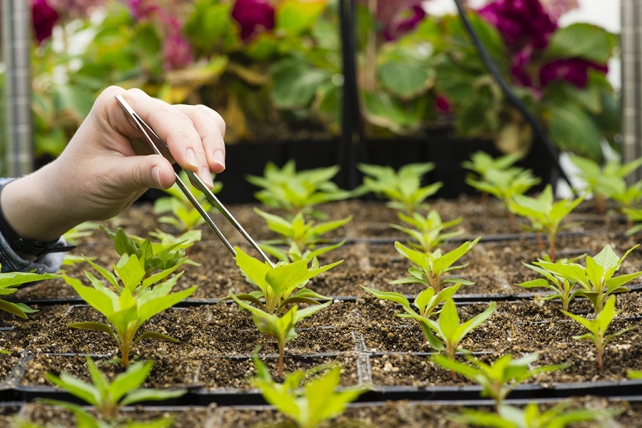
[
  {"x": 404, "y": 23},
  {"x": 573, "y": 70},
  {"x": 177, "y": 52},
  {"x": 142, "y": 9},
  {"x": 520, "y": 22},
  {"x": 557, "y": 8},
  {"x": 253, "y": 16},
  {"x": 44, "y": 18}
]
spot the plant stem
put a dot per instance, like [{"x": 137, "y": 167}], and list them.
[
  {"x": 600, "y": 361},
  {"x": 551, "y": 247},
  {"x": 540, "y": 243},
  {"x": 281, "y": 356}
]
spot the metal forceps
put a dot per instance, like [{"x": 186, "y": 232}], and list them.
[{"x": 154, "y": 141}]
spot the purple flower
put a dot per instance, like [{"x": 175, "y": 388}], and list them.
[
  {"x": 573, "y": 70},
  {"x": 404, "y": 24},
  {"x": 520, "y": 22},
  {"x": 142, "y": 9},
  {"x": 253, "y": 16},
  {"x": 519, "y": 67},
  {"x": 177, "y": 52},
  {"x": 44, "y": 18}
]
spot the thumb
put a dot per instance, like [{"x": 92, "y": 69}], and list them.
[{"x": 144, "y": 172}]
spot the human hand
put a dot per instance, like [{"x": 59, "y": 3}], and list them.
[{"x": 106, "y": 167}]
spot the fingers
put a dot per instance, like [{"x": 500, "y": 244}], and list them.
[
  {"x": 211, "y": 129},
  {"x": 194, "y": 135},
  {"x": 142, "y": 172}
]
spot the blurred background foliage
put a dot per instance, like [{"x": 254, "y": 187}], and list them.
[{"x": 272, "y": 68}]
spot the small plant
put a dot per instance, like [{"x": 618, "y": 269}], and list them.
[
  {"x": 300, "y": 236},
  {"x": 426, "y": 302},
  {"x": 427, "y": 231},
  {"x": 596, "y": 280},
  {"x": 546, "y": 216},
  {"x": 152, "y": 256},
  {"x": 108, "y": 397},
  {"x": 403, "y": 188},
  {"x": 184, "y": 216},
  {"x": 432, "y": 267},
  {"x": 135, "y": 298},
  {"x": 505, "y": 185},
  {"x": 597, "y": 328},
  {"x": 627, "y": 197},
  {"x": 306, "y": 401},
  {"x": 296, "y": 192},
  {"x": 450, "y": 331},
  {"x": 499, "y": 378},
  {"x": 482, "y": 163},
  {"x": 600, "y": 180},
  {"x": 563, "y": 288},
  {"x": 280, "y": 286},
  {"x": 10, "y": 281},
  {"x": 530, "y": 417},
  {"x": 83, "y": 230}
]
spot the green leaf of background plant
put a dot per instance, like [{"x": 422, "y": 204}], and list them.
[
  {"x": 573, "y": 129},
  {"x": 295, "y": 83},
  {"x": 582, "y": 40},
  {"x": 296, "y": 16}
]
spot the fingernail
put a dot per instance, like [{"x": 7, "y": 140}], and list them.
[
  {"x": 156, "y": 176},
  {"x": 191, "y": 158},
  {"x": 206, "y": 176},
  {"x": 219, "y": 158}
]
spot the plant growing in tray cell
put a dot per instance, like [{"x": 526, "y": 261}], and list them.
[
  {"x": 306, "y": 399},
  {"x": 300, "y": 236},
  {"x": 427, "y": 231},
  {"x": 134, "y": 299},
  {"x": 108, "y": 397},
  {"x": 627, "y": 197},
  {"x": 402, "y": 188},
  {"x": 481, "y": 163},
  {"x": 500, "y": 377},
  {"x": 153, "y": 256},
  {"x": 505, "y": 184},
  {"x": 426, "y": 302},
  {"x": 184, "y": 216},
  {"x": 545, "y": 215},
  {"x": 633, "y": 217},
  {"x": 563, "y": 288},
  {"x": 596, "y": 280},
  {"x": 597, "y": 328},
  {"x": 296, "y": 192},
  {"x": 530, "y": 417},
  {"x": 279, "y": 286},
  {"x": 10, "y": 281},
  {"x": 600, "y": 180},
  {"x": 450, "y": 332},
  {"x": 432, "y": 267}
]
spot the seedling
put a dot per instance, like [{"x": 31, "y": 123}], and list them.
[
  {"x": 296, "y": 192},
  {"x": 107, "y": 398},
  {"x": 597, "y": 328},
  {"x": 601, "y": 180},
  {"x": 633, "y": 215},
  {"x": 135, "y": 300},
  {"x": 530, "y": 417},
  {"x": 546, "y": 216},
  {"x": 153, "y": 256},
  {"x": 626, "y": 196},
  {"x": 563, "y": 288},
  {"x": 426, "y": 302},
  {"x": 403, "y": 188},
  {"x": 10, "y": 281},
  {"x": 596, "y": 280},
  {"x": 178, "y": 243},
  {"x": 427, "y": 231},
  {"x": 185, "y": 216},
  {"x": 499, "y": 378},
  {"x": 482, "y": 163},
  {"x": 306, "y": 401},
  {"x": 83, "y": 230},
  {"x": 505, "y": 185},
  {"x": 432, "y": 267},
  {"x": 450, "y": 331},
  {"x": 300, "y": 236},
  {"x": 280, "y": 287}
]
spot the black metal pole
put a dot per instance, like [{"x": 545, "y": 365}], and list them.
[{"x": 351, "y": 132}]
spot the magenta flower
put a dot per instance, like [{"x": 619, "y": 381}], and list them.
[
  {"x": 442, "y": 104},
  {"x": 557, "y": 8},
  {"x": 253, "y": 16},
  {"x": 44, "y": 18},
  {"x": 142, "y": 9},
  {"x": 404, "y": 24},
  {"x": 573, "y": 70},
  {"x": 177, "y": 53},
  {"x": 519, "y": 67},
  {"x": 520, "y": 22}
]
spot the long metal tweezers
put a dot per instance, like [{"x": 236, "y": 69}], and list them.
[{"x": 154, "y": 140}]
